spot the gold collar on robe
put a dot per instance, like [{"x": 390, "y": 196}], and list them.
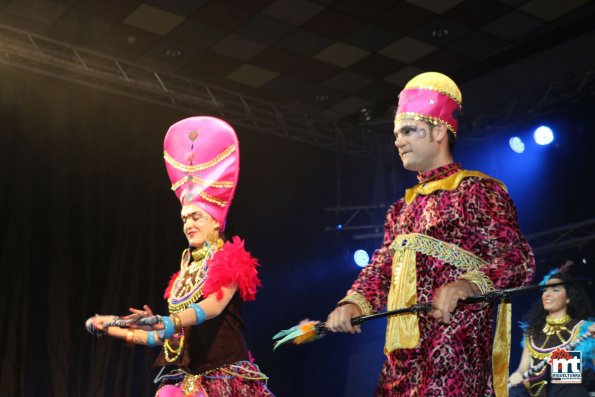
[{"x": 449, "y": 183}]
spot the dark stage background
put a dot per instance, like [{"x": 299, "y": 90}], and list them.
[{"x": 89, "y": 225}]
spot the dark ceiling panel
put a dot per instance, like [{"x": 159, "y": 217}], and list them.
[
  {"x": 209, "y": 66},
  {"x": 222, "y": 15},
  {"x": 322, "y": 96},
  {"x": 364, "y": 9},
  {"x": 513, "y": 25},
  {"x": 405, "y": 17},
  {"x": 264, "y": 29},
  {"x": 477, "y": 13},
  {"x": 70, "y": 37},
  {"x": 332, "y": 23},
  {"x": 23, "y": 24},
  {"x": 253, "y": 5},
  {"x": 313, "y": 70},
  {"x": 379, "y": 92},
  {"x": 84, "y": 24},
  {"x": 277, "y": 59},
  {"x": 377, "y": 66},
  {"x": 174, "y": 52},
  {"x": 348, "y": 81},
  {"x": 371, "y": 37},
  {"x": 43, "y": 12},
  {"x": 288, "y": 87},
  {"x": 238, "y": 47},
  {"x": 185, "y": 8},
  {"x": 440, "y": 31},
  {"x": 127, "y": 42},
  {"x": 197, "y": 34},
  {"x": 296, "y": 12},
  {"x": 441, "y": 60},
  {"x": 115, "y": 10},
  {"x": 304, "y": 42},
  {"x": 478, "y": 45}
]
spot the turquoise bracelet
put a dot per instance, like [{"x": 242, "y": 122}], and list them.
[
  {"x": 151, "y": 339},
  {"x": 201, "y": 316},
  {"x": 169, "y": 327}
]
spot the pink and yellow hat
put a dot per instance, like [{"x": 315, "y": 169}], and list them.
[
  {"x": 202, "y": 157},
  {"x": 431, "y": 97}
]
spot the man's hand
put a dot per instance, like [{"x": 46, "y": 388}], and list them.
[
  {"x": 515, "y": 379},
  {"x": 340, "y": 319},
  {"x": 447, "y": 297}
]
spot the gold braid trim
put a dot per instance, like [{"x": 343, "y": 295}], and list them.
[
  {"x": 203, "y": 182},
  {"x": 199, "y": 167},
  {"x": 359, "y": 300},
  {"x": 438, "y": 249},
  {"x": 423, "y": 117},
  {"x": 480, "y": 279},
  {"x": 212, "y": 200},
  {"x": 402, "y": 332}
]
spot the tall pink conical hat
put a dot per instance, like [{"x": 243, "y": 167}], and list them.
[{"x": 202, "y": 157}]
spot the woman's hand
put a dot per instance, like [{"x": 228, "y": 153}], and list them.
[
  {"x": 99, "y": 321},
  {"x": 137, "y": 314}
]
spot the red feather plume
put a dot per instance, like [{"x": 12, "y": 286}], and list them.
[{"x": 233, "y": 265}]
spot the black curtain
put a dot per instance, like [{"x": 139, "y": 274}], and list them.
[{"x": 89, "y": 225}]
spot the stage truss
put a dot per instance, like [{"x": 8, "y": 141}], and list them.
[{"x": 57, "y": 59}]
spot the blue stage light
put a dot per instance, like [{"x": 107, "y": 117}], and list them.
[
  {"x": 516, "y": 144},
  {"x": 543, "y": 135},
  {"x": 339, "y": 227},
  {"x": 361, "y": 258}
]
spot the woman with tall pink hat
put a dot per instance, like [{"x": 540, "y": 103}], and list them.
[{"x": 202, "y": 335}]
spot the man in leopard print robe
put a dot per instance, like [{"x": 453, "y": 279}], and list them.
[{"x": 462, "y": 232}]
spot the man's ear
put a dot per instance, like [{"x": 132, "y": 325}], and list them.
[{"x": 440, "y": 132}]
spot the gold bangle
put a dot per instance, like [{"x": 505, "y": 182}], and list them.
[
  {"x": 177, "y": 323},
  {"x": 130, "y": 337},
  {"x": 480, "y": 279},
  {"x": 360, "y": 301}
]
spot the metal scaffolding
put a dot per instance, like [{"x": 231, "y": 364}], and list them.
[
  {"x": 366, "y": 222},
  {"x": 565, "y": 237},
  {"x": 544, "y": 100},
  {"x": 53, "y": 58}
]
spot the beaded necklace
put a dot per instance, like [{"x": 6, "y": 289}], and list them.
[
  {"x": 433, "y": 177},
  {"x": 187, "y": 289}
]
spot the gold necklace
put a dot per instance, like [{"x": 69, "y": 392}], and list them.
[
  {"x": 187, "y": 288},
  {"x": 555, "y": 325}
]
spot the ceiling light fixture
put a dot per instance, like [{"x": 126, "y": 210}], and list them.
[
  {"x": 173, "y": 52},
  {"x": 440, "y": 33}
]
